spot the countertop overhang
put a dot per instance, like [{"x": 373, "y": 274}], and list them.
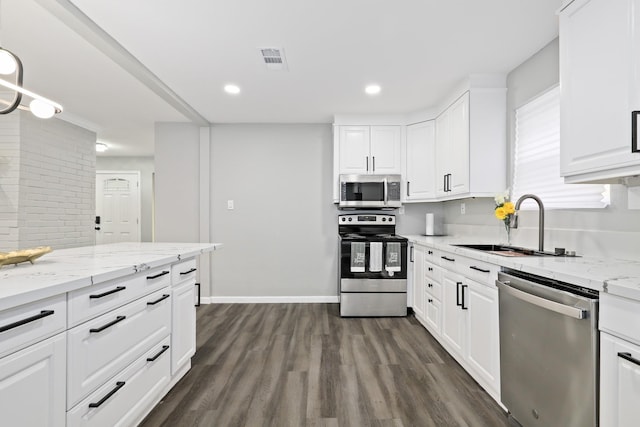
[
  {"x": 620, "y": 277},
  {"x": 66, "y": 270}
]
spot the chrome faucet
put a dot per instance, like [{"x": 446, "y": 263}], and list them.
[{"x": 514, "y": 220}]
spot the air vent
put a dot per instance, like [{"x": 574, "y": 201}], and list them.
[{"x": 273, "y": 58}]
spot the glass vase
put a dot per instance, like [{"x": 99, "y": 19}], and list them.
[{"x": 507, "y": 228}]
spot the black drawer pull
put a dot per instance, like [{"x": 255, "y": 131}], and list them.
[
  {"x": 430, "y": 285},
  {"x": 464, "y": 307},
  {"x": 43, "y": 313},
  {"x": 430, "y": 300},
  {"x": 473, "y": 267},
  {"x": 447, "y": 258},
  {"x": 430, "y": 252},
  {"x": 112, "y": 291},
  {"x": 162, "y": 298},
  {"x": 153, "y": 359},
  {"x": 187, "y": 272},
  {"x": 118, "y": 386},
  {"x": 108, "y": 325},
  {"x": 627, "y": 356},
  {"x": 157, "y": 275}
]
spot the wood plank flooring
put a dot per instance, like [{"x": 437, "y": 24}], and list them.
[{"x": 303, "y": 365}]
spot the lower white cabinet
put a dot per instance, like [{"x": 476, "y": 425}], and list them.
[
  {"x": 32, "y": 385},
  {"x": 127, "y": 397},
  {"x": 453, "y": 313},
  {"x": 418, "y": 282},
  {"x": 183, "y": 337}
]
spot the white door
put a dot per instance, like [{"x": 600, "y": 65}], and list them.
[
  {"x": 453, "y": 317},
  {"x": 354, "y": 149},
  {"x": 421, "y": 161},
  {"x": 418, "y": 281},
  {"x": 443, "y": 147},
  {"x": 117, "y": 206},
  {"x": 459, "y": 152},
  {"x": 386, "y": 149}
]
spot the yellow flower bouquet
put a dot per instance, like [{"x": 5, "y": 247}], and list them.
[{"x": 504, "y": 210}]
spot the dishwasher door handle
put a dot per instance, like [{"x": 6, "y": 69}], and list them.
[{"x": 566, "y": 310}]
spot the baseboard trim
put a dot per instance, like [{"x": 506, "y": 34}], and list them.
[{"x": 269, "y": 300}]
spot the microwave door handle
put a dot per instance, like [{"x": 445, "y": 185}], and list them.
[{"x": 384, "y": 191}]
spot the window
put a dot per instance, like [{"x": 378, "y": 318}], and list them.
[{"x": 537, "y": 159}]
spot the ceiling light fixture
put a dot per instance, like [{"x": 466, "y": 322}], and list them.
[
  {"x": 372, "y": 89},
  {"x": 232, "y": 89},
  {"x": 101, "y": 147},
  {"x": 40, "y": 106}
]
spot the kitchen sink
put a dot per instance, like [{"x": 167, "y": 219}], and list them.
[{"x": 513, "y": 251}]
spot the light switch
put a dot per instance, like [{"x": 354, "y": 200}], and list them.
[
  {"x": 463, "y": 209},
  {"x": 230, "y": 205}
]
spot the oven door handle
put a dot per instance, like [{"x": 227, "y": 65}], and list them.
[{"x": 566, "y": 310}]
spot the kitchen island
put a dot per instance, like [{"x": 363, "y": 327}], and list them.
[{"x": 96, "y": 335}]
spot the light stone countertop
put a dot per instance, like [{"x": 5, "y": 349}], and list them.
[
  {"x": 619, "y": 277},
  {"x": 66, "y": 270}
]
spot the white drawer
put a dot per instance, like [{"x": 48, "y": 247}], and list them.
[
  {"x": 619, "y": 316},
  {"x": 432, "y": 271},
  {"x": 182, "y": 271},
  {"x": 92, "y": 301},
  {"x": 127, "y": 397},
  {"x": 27, "y": 324},
  {"x": 432, "y": 255},
  {"x": 479, "y": 271},
  {"x": 433, "y": 288},
  {"x": 101, "y": 347}
]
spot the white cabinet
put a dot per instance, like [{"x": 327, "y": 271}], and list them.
[
  {"x": 600, "y": 80},
  {"x": 32, "y": 385},
  {"x": 418, "y": 282},
  {"x": 420, "y": 161},
  {"x": 453, "y": 314},
  {"x": 470, "y": 143},
  {"x": 369, "y": 149},
  {"x": 433, "y": 296},
  {"x": 183, "y": 315}
]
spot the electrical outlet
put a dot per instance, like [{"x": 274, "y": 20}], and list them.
[
  {"x": 463, "y": 209},
  {"x": 230, "y": 205},
  {"x": 401, "y": 210}
]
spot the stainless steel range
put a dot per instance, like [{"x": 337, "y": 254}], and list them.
[{"x": 373, "y": 266}]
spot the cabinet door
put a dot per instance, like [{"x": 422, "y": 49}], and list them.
[
  {"x": 459, "y": 146},
  {"x": 432, "y": 315},
  {"x": 619, "y": 382},
  {"x": 599, "y": 50},
  {"x": 418, "y": 281},
  {"x": 483, "y": 344},
  {"x": 183, "y": 333},
  {"x": 32, "y": 385},
  {"x": 443, "y": 151},
  {"x": 354, "y": 149},
  {"x": 385, "y": 150},
  {"x": 453, "y": 316},
  {"x": 421, "y": 161}
]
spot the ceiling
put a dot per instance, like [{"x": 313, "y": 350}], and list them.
[{"x": 169, "y": 60}]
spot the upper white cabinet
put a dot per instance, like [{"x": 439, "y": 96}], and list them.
[
  {"x": 369, "y": 149},
  {"x": 420, "y": 155},
  {"x": 600, "y": 81},
  {"x": 471, "y": 145}
]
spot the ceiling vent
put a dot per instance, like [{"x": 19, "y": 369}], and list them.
[{"x": 273, "y": 58}]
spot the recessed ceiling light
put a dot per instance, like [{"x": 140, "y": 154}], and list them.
[
  {"x": 101, "y": 147},
  {"x": 372, "y": 89},
  {"x": 232, "y": 89}
]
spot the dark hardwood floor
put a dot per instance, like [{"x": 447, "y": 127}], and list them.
[{"x": 303, "y": 365}]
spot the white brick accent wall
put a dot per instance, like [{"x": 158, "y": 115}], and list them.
[{"x": 49, "y": 196}]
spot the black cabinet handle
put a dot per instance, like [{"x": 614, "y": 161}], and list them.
[
  {"x": 447, "y": 258},
  {"x": 42, "y": 314},
  {"x": 635, "y": 147},
  {"x": 374, "y": 163},
  {"x": 152, "y": 359},
  {"x": 157, "y": 275},
  {"x": 444, "y": 183},
  {"x": 430, "y": 300},
  {"x": 187, "y": 272},
  {"x": 112, "y": 291},
  {"x": 430, "y": 252},
  {"x": 462, "y": 304},
  {"x": 627, "y": 356},
  {"x": 411, "y": 254},
  {"x": 458, "y": 303},
  {"x": 473, "y": 267},
  {"x": 367, "y": 163},
  {"x": 162, "y": 298},
  {"x": 108, "y": 325},
  {"x": 430, "y": 268},
  {"x": 408, "y": 184},
  {"x": 429, "y": 285},
  {"x": 118, "y": 386}
]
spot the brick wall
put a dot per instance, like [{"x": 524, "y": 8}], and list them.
[
  {"x": 9, "y": 180},
  {"x": 56, "y": 162}
]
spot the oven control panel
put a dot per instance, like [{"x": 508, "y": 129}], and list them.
[{"x": 366, "y": 219}]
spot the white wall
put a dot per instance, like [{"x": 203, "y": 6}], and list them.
[
  {"x": 177, "y": 182},
  {"x": 281, "y": 239},
  {"x": 146, "y": 167},
  {"x": 49, "y": 195}
]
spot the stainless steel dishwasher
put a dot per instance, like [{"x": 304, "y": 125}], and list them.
[{"x": 548, "y": 351}]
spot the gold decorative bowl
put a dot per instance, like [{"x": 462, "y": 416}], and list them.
[{"x": 23, "y": 255}]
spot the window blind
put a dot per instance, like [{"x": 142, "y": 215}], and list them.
[{"x": 537, "y": 159}]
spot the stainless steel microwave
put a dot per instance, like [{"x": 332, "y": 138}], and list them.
[{"x": 370, "y": 191}]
